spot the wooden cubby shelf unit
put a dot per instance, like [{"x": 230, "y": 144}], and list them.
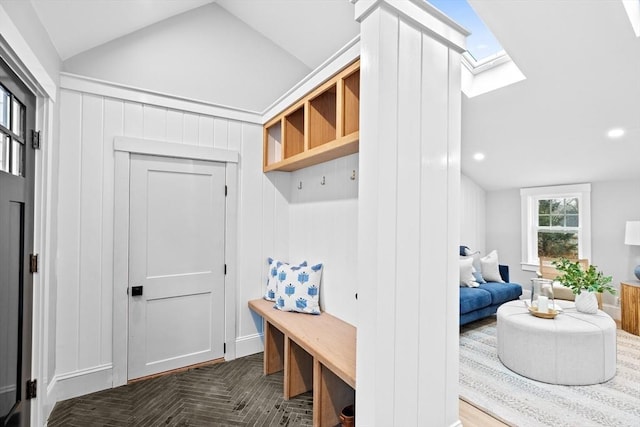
[
  {"x": 294, "y": 133},
  {"x": 321, "y": 126}
]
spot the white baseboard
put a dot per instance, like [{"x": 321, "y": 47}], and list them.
[
  {"x": 249, "y": 344},
  {"x": 85, "y": 381},
  {"x": 612, "y": 310},
  {"x": 49, "y": 401}
]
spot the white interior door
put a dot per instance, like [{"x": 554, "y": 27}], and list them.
[{"x": 176, "y": 263}]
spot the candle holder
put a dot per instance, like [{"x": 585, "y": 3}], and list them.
[{"x": 542, "y": 287}]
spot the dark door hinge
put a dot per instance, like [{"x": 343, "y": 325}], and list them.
[
  {"x": 225, "y": 269},
  {"x": 35, "y": 139},
  {"x": 33, "y": 263},
  {"x": 224, "y": 348},
  {"x": 225, "y": 191},
  {"x": 32, "y": 389}
]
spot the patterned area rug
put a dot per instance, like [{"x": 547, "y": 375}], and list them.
[{"x": 518, "y": 401}]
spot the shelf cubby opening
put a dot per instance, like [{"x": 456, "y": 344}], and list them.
[
  {"x": 294, "y": 133},
  {"x": 351, "y": 106},
  {"x": 322, "y": 118},
  {"x": 274, "y": 144},
  {"x": 320, "y": 126}
]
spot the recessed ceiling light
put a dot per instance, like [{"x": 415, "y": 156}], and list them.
[
  {"x": 478, "y": 157},
  {"x": 615, "y": 133}
]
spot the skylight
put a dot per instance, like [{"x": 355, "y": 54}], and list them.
[
  {"x": 481, "y": 44},
  {"x": 632, "y": 7},
  {"x": 487, "y": 66}
]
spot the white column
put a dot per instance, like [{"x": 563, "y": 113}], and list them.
[{"x": 407, "y": 361}]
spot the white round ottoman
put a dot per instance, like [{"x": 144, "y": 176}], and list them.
[{"x": 572, "y": 349}]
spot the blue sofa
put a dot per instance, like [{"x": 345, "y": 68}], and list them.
[{"x": 483, "y": 301}]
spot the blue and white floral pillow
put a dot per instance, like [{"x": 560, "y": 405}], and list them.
[
  {"x": 299, "y": 288},
  {"x": 272, "y": 277}
]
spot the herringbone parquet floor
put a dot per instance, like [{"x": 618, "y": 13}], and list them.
[{"x": 227, "y": 394}]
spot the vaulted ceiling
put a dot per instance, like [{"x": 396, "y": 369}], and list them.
[{"x": 581, "y": 60}]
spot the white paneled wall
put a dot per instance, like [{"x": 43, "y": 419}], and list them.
[
  {"x": 472, "y": 215},
  {"x": 409, "y": 199},
  {"x": 324, "y": 228},
  {"x": 88, "y": 124},
  {"x": 262, "y": 232}
]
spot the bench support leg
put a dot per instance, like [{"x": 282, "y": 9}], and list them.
[
  {"x": 273, "y": 349},
  {"x": 298, "y": 369},
  {"x": 330, "y": 396}
]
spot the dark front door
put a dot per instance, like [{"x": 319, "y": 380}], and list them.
[{"x": 17, "y": 119}]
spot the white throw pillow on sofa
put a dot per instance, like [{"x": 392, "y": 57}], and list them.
[
  {"x": 490, "y": 270},
  {"x": 477, "y": 269},
  {"x": 466, "y": 273}
]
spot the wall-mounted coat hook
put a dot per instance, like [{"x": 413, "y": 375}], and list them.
[
  {"x": 323, "y": 182},
  {"x": 353, "y": 175},
  {"x": 300, "y": 185}
]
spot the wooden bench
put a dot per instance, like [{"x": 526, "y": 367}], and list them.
[{"x": 317, "y": 352}]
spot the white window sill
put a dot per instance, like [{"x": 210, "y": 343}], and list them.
[{"x": 529, "y": 267}]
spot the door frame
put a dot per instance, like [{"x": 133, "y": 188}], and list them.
[
  {"x": 124, "y": 147},
  {"x": 18, "y": 55},
  {"x": 21, "y": 192}
]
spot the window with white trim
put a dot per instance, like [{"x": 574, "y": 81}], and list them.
[{"x": 556, "y": 222}]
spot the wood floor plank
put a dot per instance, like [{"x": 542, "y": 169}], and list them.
[{"x": 471, "y": 416}]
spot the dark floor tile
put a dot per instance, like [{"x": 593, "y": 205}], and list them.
[{"x": 228, "y": 394}]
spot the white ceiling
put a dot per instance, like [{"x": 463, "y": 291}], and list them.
[
  {"x": 581, "y": 60},
  {"x": 78, "y": 25},
  {"x": 310, "y": 30}
]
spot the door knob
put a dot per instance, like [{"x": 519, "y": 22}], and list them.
[{"x": 136, "y": 291}]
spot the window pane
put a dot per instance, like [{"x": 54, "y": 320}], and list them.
[
  {"x": 557, "y": 206},
  {"x": 573, "y": 220},
  {"x": 4, "y": 152},
  {"x": 544, "y": 220},
  {"x": 558, "y": 244},
  {"x": 557, "y": 220},
  {"x": 17, "y": 118},
  {"x": 543, "y": 207},
  {"x": 4, "y": 107},
  {"x": 572, "y": 206},
  {"x": 17, "y": 156}
]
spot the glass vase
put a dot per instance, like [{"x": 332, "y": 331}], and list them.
[{"x": 542, "y": 287}]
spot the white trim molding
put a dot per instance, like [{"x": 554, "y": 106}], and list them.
[
  {"x": 167, "y": 149},
  {"x": 528, "y": 209},
  {"x": 612, "y": 310},
  {"x": 128, "y": 93},
  {"x": 84, "y": 381},
  {"x": 249, "y": 344},
  {"x": 343, "y": 57},
  {"x": 15, "y": 50},
  {"x": 422, "y": 14}
]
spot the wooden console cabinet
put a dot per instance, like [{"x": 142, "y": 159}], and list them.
[
  {"x": 323, "y": 125},
  {"x": 630, "y": 306}
]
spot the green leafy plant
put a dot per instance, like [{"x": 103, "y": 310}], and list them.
[{"x": 578, "y": 280}]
